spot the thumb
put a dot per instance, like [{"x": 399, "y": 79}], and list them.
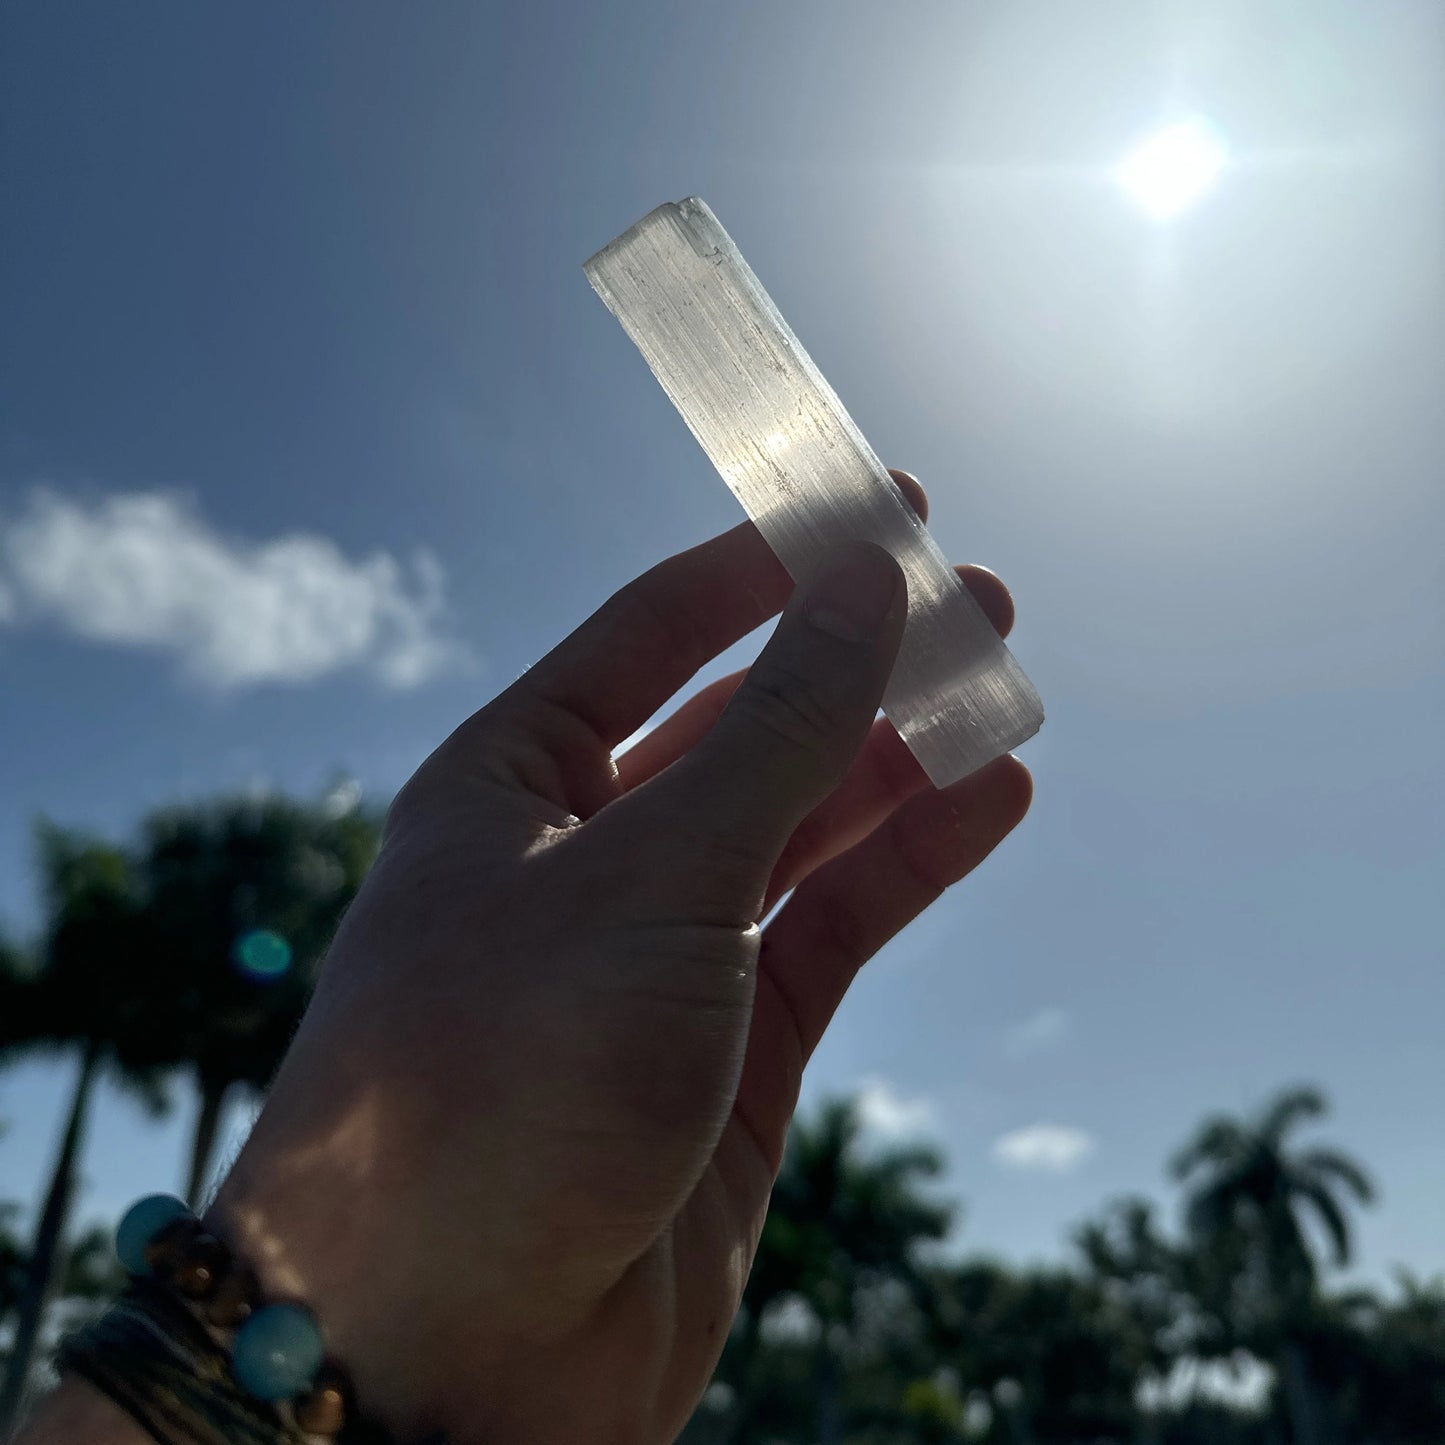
[{"x": 802, "y": 713}]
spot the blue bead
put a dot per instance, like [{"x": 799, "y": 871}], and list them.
[
  {"x": 277, "y": 1352},
  {"x": 143, "y": 1221}
]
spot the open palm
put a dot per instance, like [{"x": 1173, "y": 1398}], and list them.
[{"x": 553, "y": 1057}]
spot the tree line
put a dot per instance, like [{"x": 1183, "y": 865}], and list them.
[
  {"x": 857, "y": 1329},
  {"x": 184, "y": 956}
]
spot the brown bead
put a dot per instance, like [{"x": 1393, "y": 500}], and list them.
[
  {"x": 202, "y": 1267},
  {"x": 166, "y": 1251},
  {"x": 322, "y": 1409},
  {"x": 234, "y": 1299}
]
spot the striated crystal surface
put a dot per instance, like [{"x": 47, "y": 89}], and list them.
[{"x": 804, "y": 473}]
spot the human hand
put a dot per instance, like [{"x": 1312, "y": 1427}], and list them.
[{"x": 520, "y": 1153}]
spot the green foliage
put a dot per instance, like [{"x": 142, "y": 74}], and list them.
[
  {"x": 12, "y": 1259},
  {"x": 840, "y": 1216},
  {"x": 140, "y": 970},
  {"x": 143, "y": 971},
  {"x": 1252, "y": 1199},
  {"x": 85, "y": 984},
  {"x": 88, "y": 1273},
  {"x": 1380, "y": 1363},
  {"x": 845, "y": 1223},
  {"x": 84, "y": 987},
  {"x": 221, "y": 878},
  {"x": 1073, "y": 1356},
  {"x": 216, "y": 873},
  {"x": 1248, "y": 1189},
  {"x": 896, "y": 1347}
]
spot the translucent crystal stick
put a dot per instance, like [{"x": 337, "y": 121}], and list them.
[{"x": 802, "y": 470}]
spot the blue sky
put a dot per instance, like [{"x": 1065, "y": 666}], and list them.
[{"x": 312, "y": 436}]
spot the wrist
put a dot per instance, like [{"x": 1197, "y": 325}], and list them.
[
  {"x": 310, "y": 1207},
  {"x": 432, "y": 1339},
  {"x": 304, "y": 1240}
]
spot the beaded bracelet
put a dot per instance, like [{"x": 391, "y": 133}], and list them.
[{"x": 191, "y": 1351}]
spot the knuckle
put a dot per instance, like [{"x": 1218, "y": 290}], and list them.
[
  {"x": 918, "y": 864},
  {"x": 791, "y": 707}
]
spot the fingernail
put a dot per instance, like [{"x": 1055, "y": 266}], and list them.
[{"x": 853, "y": 592}]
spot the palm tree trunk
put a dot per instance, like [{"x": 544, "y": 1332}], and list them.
[
  {"x": 203, "y": 1140},
  {"x": 740, "y": 1427},
  {"x": 829, "y": 1393},
  {"x": 40, "y": 1269},
  {"x": 1020, "y": 1427},
  {"x": 1306, "y": 1424}
]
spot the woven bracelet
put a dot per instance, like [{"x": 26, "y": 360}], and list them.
[{"x": 192, "y": 1354}]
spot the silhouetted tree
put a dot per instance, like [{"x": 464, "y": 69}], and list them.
[
  {"x": 242, "y": 898},
  {"x": 1251, "y": 1193},
  {"x": 12, "y": 1259},
  {"x": 1057, "y": 1355},
  {"x": 84, "y": 991},
  {"x": 1381, "y": 1361},
  {"x": 843, "y": 1221}
]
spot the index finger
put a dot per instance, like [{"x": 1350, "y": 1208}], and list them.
[{"x": 643, "y": 644}]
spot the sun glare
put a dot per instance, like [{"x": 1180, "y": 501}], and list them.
[{"x": 1171, "y": 170}]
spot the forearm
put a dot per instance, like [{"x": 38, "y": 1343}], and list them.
[{"x": 78, "y": 1414}]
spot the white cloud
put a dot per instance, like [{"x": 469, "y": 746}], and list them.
[
  {"x": 145, "y": 570},
  {"x": 1036, "y": 1033},
  {"x": 1055, "y": 1147},
  {"x": 885, "y": 1111}
]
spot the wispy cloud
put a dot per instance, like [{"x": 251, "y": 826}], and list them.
[
  {"x": 1040, "y": 1031},
  {"x": 885, "y": 1111},
  {"x": 145, "y": 570},
  {"x": 1054, "y": 1147}
]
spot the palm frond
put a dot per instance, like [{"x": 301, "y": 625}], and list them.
[
  {"x": 1215, "y": 1141},
  {"x": 1210, "y": 1210},
  {"x": 1290, "y": 1107},
  {"x": 909, "y": 1160},
  {"x": 20, "y": 1000},
  {"x": 1330, "y": 1215},
  {"x": 76, "y": 867},
  {"x": 1331, "y": 1164}
]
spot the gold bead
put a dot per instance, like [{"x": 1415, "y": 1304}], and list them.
[
  {"x": 167, "y": 1250},
  {"x": 233, "y": 1300},
  {"x": 202, "y": 1267},
  {"x": 322, "y": 1409}
]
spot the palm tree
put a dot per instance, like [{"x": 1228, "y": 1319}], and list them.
[
  {"x": 841, "y": 1221},
  {"x": 243, "y": 896},
  {"x": 1058, "y": 1352},
  {"x": 1248, "y": 1186},
  {"x": 1177, "y": 1298},
  {"x": 12, "y": 1259},
  {"x": 85, "y": 991},
  {"x": 88, "y": 1273},
  {"x": 1408, "y": 1346}
]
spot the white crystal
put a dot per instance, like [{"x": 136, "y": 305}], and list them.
[{"x": 802, "y": 470}]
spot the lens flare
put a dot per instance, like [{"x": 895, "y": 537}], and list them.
[{"x": 261, "y": 954}]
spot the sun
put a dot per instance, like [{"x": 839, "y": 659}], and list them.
[{"x": 1171, "y": 170}]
